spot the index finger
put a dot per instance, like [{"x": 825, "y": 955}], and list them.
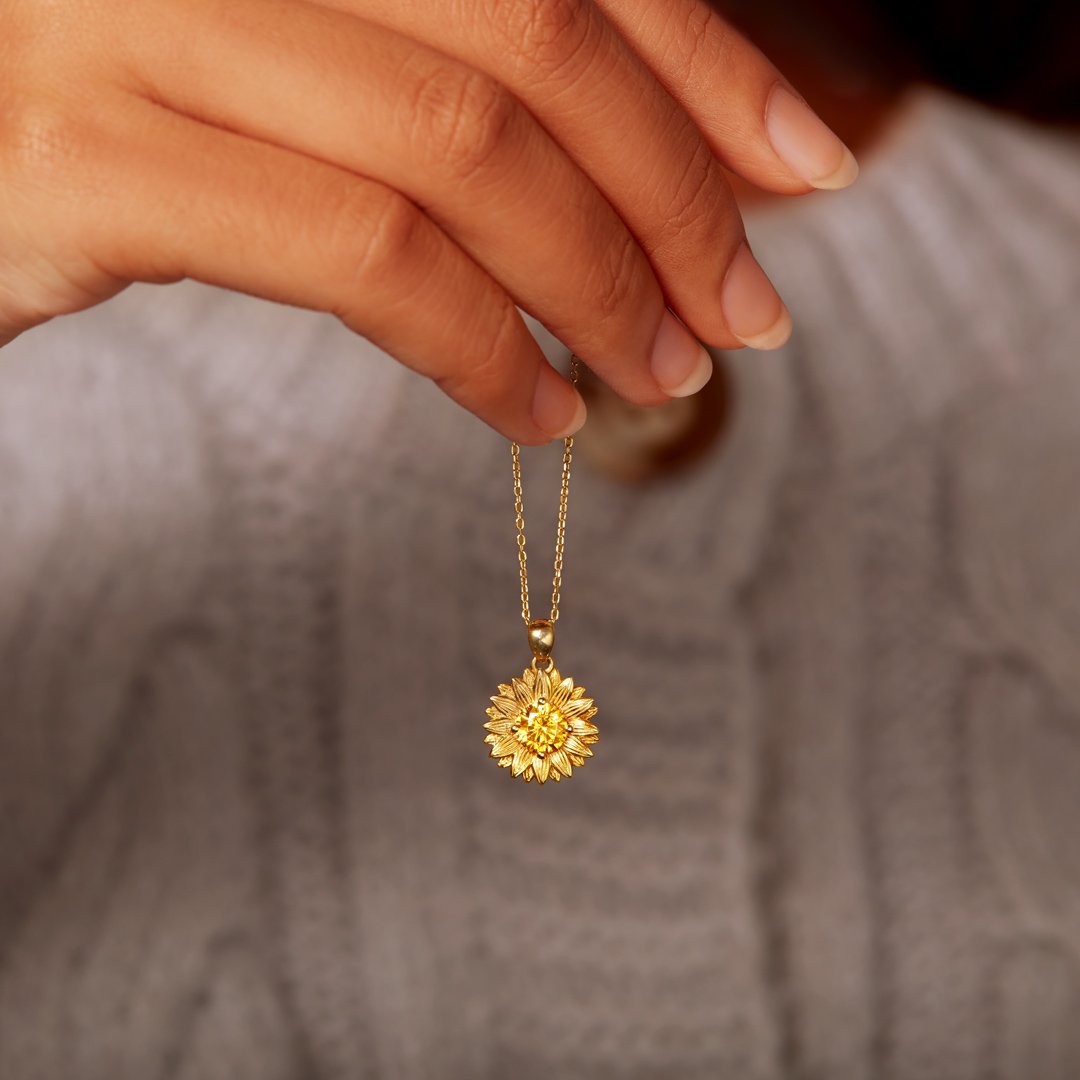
[
  {"x": 586, "y": 84},
  {"x": 754, "y": 120}
]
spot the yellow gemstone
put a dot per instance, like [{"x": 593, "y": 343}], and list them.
[{"x": 541, "y": 727}]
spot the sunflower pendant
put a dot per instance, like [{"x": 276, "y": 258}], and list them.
[{"x": 540, "y": 726}]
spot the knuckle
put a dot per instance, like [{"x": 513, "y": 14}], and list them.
[
  {"x": 697, "y": 197},
  {"x": 708, "y": 42},
  {"x": 462, "y": 119},
  {"x": 488, "y": 379},
  {"x": 547, "y": 35},
  {"x": 42, "y": 146},
  {"x": 619, "y": 277},
  {"x": 372, "y": 238}
]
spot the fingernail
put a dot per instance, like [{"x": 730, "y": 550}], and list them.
[
  {"x": 557, "y": 409},
  {"x": 679, "y": 362},
  {"x": 805, "y": 144},
  {"x": 753, "y": 309}
]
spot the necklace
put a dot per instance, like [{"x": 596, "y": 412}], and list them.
[{"x": 540, "y": 724}]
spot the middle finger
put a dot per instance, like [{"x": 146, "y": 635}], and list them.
[
  {"x": 366, "y": 98},
  {"x": 576, "y": 73}
]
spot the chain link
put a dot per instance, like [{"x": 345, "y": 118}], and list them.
[{"x": 560, "y": 531}]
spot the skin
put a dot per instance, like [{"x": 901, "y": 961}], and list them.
[
  {"x": 418, "y": 168},
  {"x": 859, "y": 104}
]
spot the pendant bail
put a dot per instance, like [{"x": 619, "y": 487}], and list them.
[{"x": 541, "y": 638}]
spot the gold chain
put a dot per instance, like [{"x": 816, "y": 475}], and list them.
[{"x": 560, "y": 531}]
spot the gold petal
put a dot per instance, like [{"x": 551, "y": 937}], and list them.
[
  {"x": 501, "y": 726},
  {"x": 577, "y": 759},
  {"x": 560, "y": 693},
  {"x": 561, "y": 763},
  {"x": 503, "y": 707},
  {"x": 540, "y": 684},
  {"x": 521, "y": 760},
  {"x": 574, "y": 745},
  {"x": 523, "y": 691},
  {"x": 503, "y": 745},
  {"x": 505, "y": 762},
  {"x": 528, "y": 774},
  {"x": 580, "y": 727},
  {"x": 579, "y": 691},
  {"x": 541, "y": 766},
  {"x": 577, "y": 708},
  {"x": 555, "y": 775},
  {"x": 506, "y": 691}
]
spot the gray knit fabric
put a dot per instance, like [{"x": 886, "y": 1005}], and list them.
[{"x": 257, "y": 584}]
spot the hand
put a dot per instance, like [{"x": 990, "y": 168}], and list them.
[{"x": 419, "y": 168}]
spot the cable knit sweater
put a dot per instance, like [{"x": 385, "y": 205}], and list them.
[{"x": 257, "y": 584}]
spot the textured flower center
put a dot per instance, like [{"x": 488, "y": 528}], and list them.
[{"x": 541, "y": 727}]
